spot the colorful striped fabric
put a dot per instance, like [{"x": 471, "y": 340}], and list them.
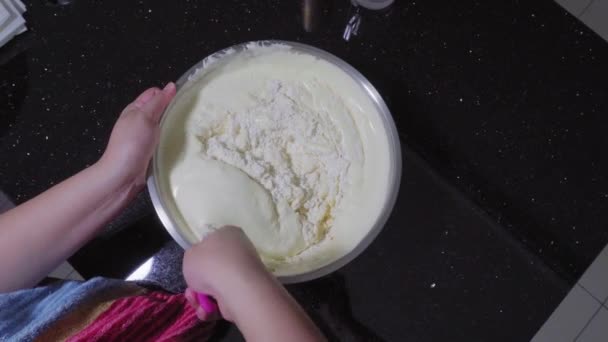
[{"x": 98, "y": 310}]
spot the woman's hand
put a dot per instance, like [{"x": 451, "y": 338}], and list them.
[
  {"x": 135, "y": 136},
  {"x": 218, "y": 265},
  {"x": 226, "y": 266}
]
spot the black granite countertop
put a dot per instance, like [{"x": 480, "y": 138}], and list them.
[{"x": 499, "y": 106}]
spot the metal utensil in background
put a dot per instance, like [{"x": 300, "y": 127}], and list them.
[
  {"x": 355, "y": 15},
  {"x": 354, "y": 21}
]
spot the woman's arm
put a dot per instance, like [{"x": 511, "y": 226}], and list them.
[{"x": 38, "y": 235}]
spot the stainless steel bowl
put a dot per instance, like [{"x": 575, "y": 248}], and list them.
[{"x": 178, "y": 235}]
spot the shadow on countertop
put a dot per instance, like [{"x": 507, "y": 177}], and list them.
[{"x": 327, "y": 301}]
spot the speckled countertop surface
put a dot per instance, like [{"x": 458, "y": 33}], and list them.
[{"x": 500, "y": 107}]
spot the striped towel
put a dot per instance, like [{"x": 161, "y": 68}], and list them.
[{"x": 98, "y": 310}]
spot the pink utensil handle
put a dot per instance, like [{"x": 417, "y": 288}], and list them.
[{"x": 206, "y": 302}]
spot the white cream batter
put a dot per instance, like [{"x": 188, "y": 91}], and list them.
[{"x": 282, "y": 144}]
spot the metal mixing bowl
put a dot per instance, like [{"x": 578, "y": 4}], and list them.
[{"x": 178, "y": 235}]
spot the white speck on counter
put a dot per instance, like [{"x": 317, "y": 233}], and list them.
[{"x": 433, "y": 285}]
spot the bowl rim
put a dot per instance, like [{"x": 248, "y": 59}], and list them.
[{"x": 395, "y": 168}]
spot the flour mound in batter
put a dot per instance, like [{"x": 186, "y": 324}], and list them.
[{"x": 289, "y": 143}]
